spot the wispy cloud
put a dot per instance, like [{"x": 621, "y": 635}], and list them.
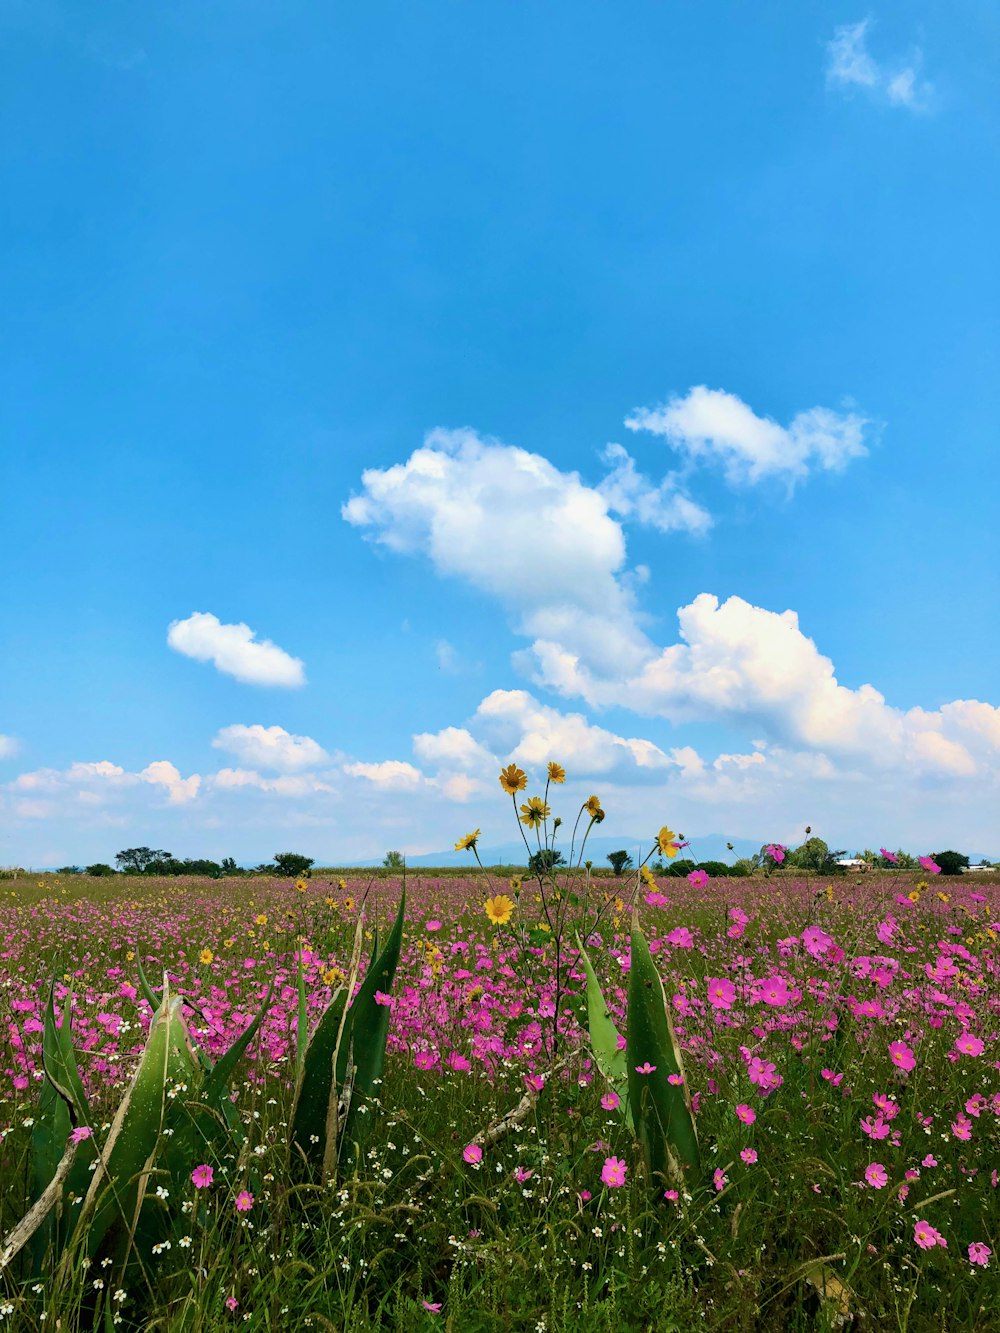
[
  {"x": 712, "y": 426},
  {"x": 236, "y": 651},
  {"x": 897, "y": 81}
]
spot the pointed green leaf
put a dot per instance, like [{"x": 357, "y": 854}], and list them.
[
  {"x": 604, "y": 1038},
  {"x": 661, "y": 1110}
]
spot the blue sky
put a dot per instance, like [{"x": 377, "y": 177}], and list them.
[{"x": 321, "y": 321}]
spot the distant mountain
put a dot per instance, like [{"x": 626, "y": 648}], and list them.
[{"x": 708, "y": 847}]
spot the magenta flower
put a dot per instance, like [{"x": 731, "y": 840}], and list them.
[
  {"x": 383, "y": 999},
  {"x": 929, "y": 864},
  {"x": 522, "y": 1173},
  {"x": 746, "y": 1113},
  {"x": 232, "y": 1303},
  {"x": 671, "y": 1196},
  {"x": 901, "y": 1055},
  {"x": 875, "y": 1175},
  {"x": 610, "y": 1101},
  {"x": 721, "y": 993},
  {"x": 536, "y": 1082},
  {"x": 646, "y": 1068},
  {"x": 749, "y": 1155},
  {"x": 244, "y": 1201},
  {"x": 891, "y": 857},
  {"x": 432, "y": 926},
  {"x": 472, "y": 1153},
  {"x": 764, "y": 1074},
  {"x": 927, "y": 1236},
  {"x": 979, "y": 1253},
  {"x": 719, "y": 1179},
  {"x": 675, "y": 1080},
  {"x": 875, "y": 1128},
  {"x": 432, "y": 1306},
  {"x": 201, "y": 1176},
  {"x": 80, "y": 1133},
  {"x": 967, "y": 1044},
  {"x": 613, "y": 1172},
  {"x": 775, "y": 851},
  {"x": 961, "y": 1127},
  {"x": 698, "y": 878}
]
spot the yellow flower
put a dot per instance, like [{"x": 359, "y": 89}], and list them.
[
  {"x": 260, "y": 920},
  {"x": 592, "y": 805},
  {"x": 342, "y": 884},
  {"x": 330, "y": 902},
  {"x": 332, "y": 976},
  {"x": 229, "y": 943},
  {"x": 666, "y": 841},
  {"x": 515, "y": 884},
  {"x": 349, "y": 904},
  {"x": 206, "y": 956},
  {"x": 130, "y": 955},
  {"x": 300, "y": 885},
  {"x": 557, "y": 773},
  {"x": 467, "y": 843},
  {"x": 513, "y": 779},
  {"x": 534, "y": 812},
  {"x": 914, "y": 897},
  {"x": 944, "y": 897},
  {"x": 499, "y": 909},
  {"x": 647, "y": 876}
]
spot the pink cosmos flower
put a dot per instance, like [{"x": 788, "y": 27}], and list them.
[
  {"x": 80, "y": 1133},
  {"x": 433, "y": 925},
  {"x": 891, "y": 857},
  {"x": 875, "y": 1128},
  {"x": 929, "y": 864},
  {"x": 721, "y": 993},
  {"x": 613, "y": 1172},
  {"x": 929, "y": 1161},
  {"x": 719, "y": 1179},
  {"x": 698, "y": 878},
  {"x": 522, "y": 1173},
  {"x": 749, "y": 1156},
  {"x": 901, "y": 1055},
  {"x": 610, "y": 1101},
  {"x": 383, "y": 999},
  {"x": 472, "y": 1153},
  {"x": 746, "y": 1113},
  {"x": 671, "y": 1196},
  {"x": 244, "y": 1201},
  {"x": 927, "y": 1236},
  {"x": 774, "y": 991},
  {"x": 776, "y": 852},
  {"x": 432, "y": 1306},
  {"x": 646, "y": 1068},
  {"x": 961, "y": 1127},
  {"x": 967, "y": 1044},
  {"x": 875, "y": 1175},
  {"x": 231, "y": 1303},
  {"x": 201, "y": 1176},
  {"x": 764, "y": 1074},
  {"x": 535, "y": 1082},
  {"x": 584, "y": 1196},
  {"x": 979, "y": 1253},
  {"x": 816, "y": 941},
  {"x": 681, "y": 938},
  {"x": 675, "y": 1080}
]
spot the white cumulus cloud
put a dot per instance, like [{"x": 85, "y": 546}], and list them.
[
  {"x": 850, "y": 64},
  {"x": 271, "y": 748},
  {"x": 512, "y": 525},
  {"x": 235, "y": 650},
  {"x": 632, "y": 495},
  {"x": 712, "y": 426}
]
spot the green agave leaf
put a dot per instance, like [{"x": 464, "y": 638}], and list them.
[
  {"x": 62, "y": 1104},
  {"x": 152, "y": 999},
  {"x": 119, "y": 1183},
  {"x": 316, "y": 1087},
  {"x": 368, "y": 1022},
  {"x": 604, "y": 1039},
  {"x": 661, "y": 1110}
]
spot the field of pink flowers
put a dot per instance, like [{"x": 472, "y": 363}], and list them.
[{"x": 841, "y": 1046}]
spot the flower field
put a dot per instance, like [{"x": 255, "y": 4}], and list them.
[{"x": 840, "y": 1049}]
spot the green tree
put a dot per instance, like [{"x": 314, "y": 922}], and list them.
[
  {"x": 544, "y": 860},
  {"x": 292, "y": 864},
  {"x": 811, "y": 855},
  {"x": 137, "y": 860},
  {"x": 229, "y": 866},
  {"x": 393, "y": 861},
  {"x": 100, "y": 869},
  {"x": 620, "y": 861},
  {"x": 951, "y": 863}
]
